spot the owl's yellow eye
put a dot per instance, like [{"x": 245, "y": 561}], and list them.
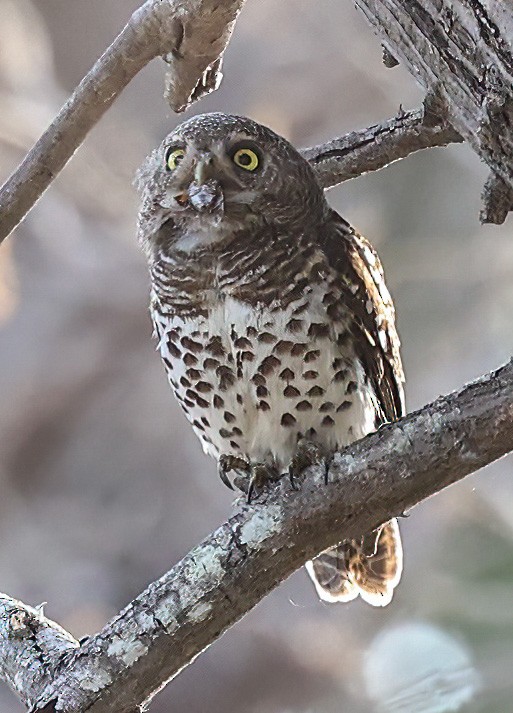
[
  {"x": 246, "y": 158},
  {"x": 173, "y": 158}
]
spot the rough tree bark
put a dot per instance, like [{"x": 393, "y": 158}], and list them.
[
  {"x": 380, "y": 145},
  {"x": 460, "y": 52},
  {"x": 179, "y": 615}
]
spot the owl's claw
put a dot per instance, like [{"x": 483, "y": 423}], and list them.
[
  {"x": 227, "y": 463},
  {"x": 307, "y": 454},
  {"x": 224, "y": 477},
  {"x": 261, "y": 475},
  {"x": 249, "y": 477}
]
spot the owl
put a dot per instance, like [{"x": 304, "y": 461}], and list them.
[{"x": 273, "y": 320}]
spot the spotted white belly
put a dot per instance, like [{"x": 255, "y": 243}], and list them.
[{"x": 253, "y": 381}]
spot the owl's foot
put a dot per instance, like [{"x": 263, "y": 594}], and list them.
[
  {"x": 251, "y": 478},
  {"x": 229, "y": 463},
  {"x": 260, "y": 476},
  {"x": 307, "y": 454}
]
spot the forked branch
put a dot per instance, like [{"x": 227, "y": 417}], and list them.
[{"x": 187, "y": 609}]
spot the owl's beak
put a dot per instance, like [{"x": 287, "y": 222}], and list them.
[
  {"x": 205, "y": 192},
  {"x": 204, "y": 168}
]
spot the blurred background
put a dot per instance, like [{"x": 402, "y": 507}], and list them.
[{"x": 103, "y": 485}]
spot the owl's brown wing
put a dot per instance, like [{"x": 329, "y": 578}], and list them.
[
  {"x": 370, "y": 566},
  {"x": 365, "y": 295}
]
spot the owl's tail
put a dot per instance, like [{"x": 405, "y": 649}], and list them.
[{"x": 370, "y": 567}]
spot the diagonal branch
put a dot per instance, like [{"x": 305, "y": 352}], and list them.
[
  {"x": 183, "y": 612},
  {"x": 378, "y": 146},
  {"x": 191, "y": 35}
]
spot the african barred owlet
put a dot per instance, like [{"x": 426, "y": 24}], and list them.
[{"x": 272, "y": 317}]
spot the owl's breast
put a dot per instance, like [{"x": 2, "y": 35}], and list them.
[{"x": 252, "y": 380}]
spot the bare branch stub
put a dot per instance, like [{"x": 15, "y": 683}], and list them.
[
  {"x": 31, "y": 649},
  {"x": 388, "y": 58},
  {"x": 195, "y": 60},
  {"x": 187, "y": 609},
  {"x": 191, "y": 34},
  {"x": 497, "y": 200}
]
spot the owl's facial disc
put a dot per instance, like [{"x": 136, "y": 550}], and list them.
[
  {"x": 210, "y": 179},
  {"x": 217, "y": 177}
]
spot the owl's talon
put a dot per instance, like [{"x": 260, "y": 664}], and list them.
[
  {"x": 327, "y": 462},
  {"x": 249, "y": 477},
  {"x": 261, "y": 475},
  {"x": 228, "y": 463},
  {"x": 251, "y": 490},
  {"x": 224, "y": 477},
  {"x": 307, "y": 454},
  {"x": 292, "y": 481}
]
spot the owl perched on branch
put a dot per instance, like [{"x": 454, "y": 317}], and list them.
[{"x": 273, "y": 320}]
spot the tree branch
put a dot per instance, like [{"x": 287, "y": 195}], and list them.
[
  {"x": 192, "y": 35},
  {"x": 378, "y": 146},
  {"x": 463, "y": 50},
  {"x": 179, "y": 615},
  {"x": 32, "y": 648}
]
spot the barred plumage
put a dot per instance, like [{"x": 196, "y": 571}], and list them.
[{"x": 272, "y": 316}]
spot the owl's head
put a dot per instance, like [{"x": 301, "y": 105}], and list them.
[{"x": 216, "y": 175}]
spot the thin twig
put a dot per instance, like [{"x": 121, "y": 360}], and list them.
[
  {"x": 378, "y": 146},
  {"x": 182, "y": 613},
  {"x": 192, "y": 35}
]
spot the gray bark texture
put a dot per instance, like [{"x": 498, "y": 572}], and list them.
[
  {"x": 380, "y": 145},
  {"x": 179, "y": 615},
  {"x": 462, "y": 51}
]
